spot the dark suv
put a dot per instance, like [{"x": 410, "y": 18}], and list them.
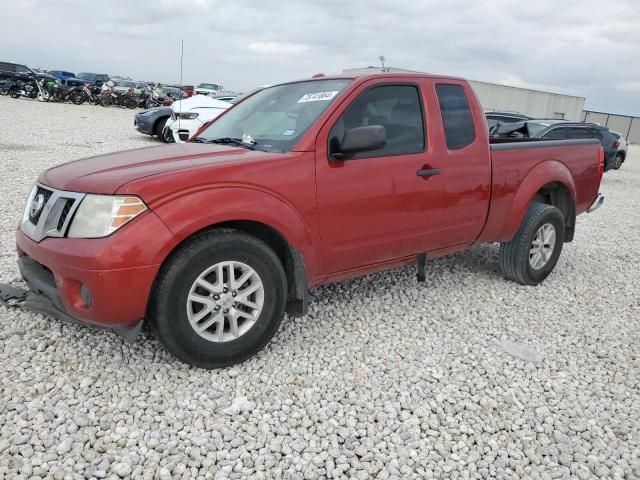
[
  {"x": 14, "y": 71},
  {"x": 495, "y": 117},
  {"x": 564, "y": 130},
  {"x": 96, "y": 79}
]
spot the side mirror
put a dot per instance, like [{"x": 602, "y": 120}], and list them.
[{"x": 361, "y": 139}]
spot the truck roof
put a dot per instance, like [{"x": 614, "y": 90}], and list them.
[{"x": 372, "y": 76}]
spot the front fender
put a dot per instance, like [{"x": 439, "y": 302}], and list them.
[
  {"x": 201, "y": 208},
  {"x": 549, "y": 171}
]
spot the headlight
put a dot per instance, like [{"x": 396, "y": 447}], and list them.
[
  {"x": 187, "y": 115},
  {"x": 101, "y": 215}
]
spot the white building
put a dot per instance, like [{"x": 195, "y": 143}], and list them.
[{"x": 513, "y": 99}]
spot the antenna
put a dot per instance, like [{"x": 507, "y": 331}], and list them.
[{"x": 180, "y": 100}]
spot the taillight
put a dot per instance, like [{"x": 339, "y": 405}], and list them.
[
  {"x": 600, "y": 163},
  {"x": 617, "y": 144}
]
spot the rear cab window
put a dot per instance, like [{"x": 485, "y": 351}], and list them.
[{"x": 457, "y": 118}]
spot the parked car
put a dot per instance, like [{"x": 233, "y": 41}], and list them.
[
  {"x": 226, "y": 97},
  {"x": 174, "y": 92},
  {"x": 299, "y": 185},
  {"x": 96, "y": 79},
  {"x": 563, "y": 130},
  {"x": 207, "y": 89},
  {"x": 152, "y": 122},
  {"x": 494, "y": 117},
  {"x": 15, "y": 71},
  {"x": 621, "y": 154},
  {"x": 189, "y": 115},
  {"x": 188, "y": 89},
  {"x": 123, "y": 86},
  {"x": 67, "y": 78}
]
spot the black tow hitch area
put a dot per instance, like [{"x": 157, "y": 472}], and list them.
[{"x": 12, "y": 296}]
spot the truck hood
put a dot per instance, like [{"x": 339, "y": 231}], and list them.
[{"x": 106, "y": 173}]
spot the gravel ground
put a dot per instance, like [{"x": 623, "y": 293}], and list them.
[{"x": 385, "y": 378}]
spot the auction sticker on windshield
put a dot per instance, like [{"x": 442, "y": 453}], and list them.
[{"x": 318, "y": 97}]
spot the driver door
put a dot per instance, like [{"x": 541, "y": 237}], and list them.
[{"x": 375, "y": 206}]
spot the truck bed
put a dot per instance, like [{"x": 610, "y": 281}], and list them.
[{"x": 519, "y": 169}]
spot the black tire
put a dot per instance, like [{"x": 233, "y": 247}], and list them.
[
  {"x": 77, "y": 99},
  {"x": 514, "y": 255},
  {"x": 167, "y": 307},
  {"x": 617, "y": 162},
  {"x": 13, "y": 94},
  {"x": 105, "y": 101},
  {"x": 159, "y": 129},
  {"x": 131, "y": 103}
]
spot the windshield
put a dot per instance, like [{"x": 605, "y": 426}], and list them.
[
  {"x": 275, "y": 118},
  {"x": 210, "y": 86},
  {"x": 86, "y": 76},
  {"x": 127, "y": 84}
]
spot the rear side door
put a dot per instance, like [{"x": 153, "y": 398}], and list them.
[
  {"x": 376, "y": 206},
  {"x": 461, "y": 145}
]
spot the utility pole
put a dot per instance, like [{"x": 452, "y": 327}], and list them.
[{"x": 382, "y": 59}]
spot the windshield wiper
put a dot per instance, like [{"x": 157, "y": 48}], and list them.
[
  {"x": 199, "y": 140},
  {"x": 232, "y": 141}
]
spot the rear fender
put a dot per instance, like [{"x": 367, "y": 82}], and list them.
[{"x": 542, "y": 174}]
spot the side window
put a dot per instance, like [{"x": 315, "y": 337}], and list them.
[
  {"x": 7, "y": 67},
  {"x": 395, "y": 107},
  {"x": 578, "y": 132},
  {"x": 22, "y": 69},
  {"x": 556, "y": 134},
  {"x": 595, "y": 133},
  {"x": 459, "y": 127}
]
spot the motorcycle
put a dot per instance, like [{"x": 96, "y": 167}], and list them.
[
  {"x": 149, "y": 99},
  {"x": 108, "y": 97},
  {"x": 85, "y": 93},
  {"x": 30, "y": 88}
]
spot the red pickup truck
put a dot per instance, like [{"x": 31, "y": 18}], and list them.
[{"x": 298, "y": 185}]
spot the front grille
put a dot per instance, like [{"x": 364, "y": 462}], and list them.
[
  {"x": 65, "y": 213},
  {"x": 49, "y": 212},
  {"x": 34, "y": 215}
]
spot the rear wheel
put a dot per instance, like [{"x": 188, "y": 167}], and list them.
[
  {"x": 219, "y": 299},
  {"x": 617, "y": 162},
  {"x": 533, "y": 253},
  {"x": 77, "y": 98}
]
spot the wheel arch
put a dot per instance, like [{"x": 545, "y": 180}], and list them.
[
  {"x": 549, "y": 182},
  {"x": 291, "y": 258}
]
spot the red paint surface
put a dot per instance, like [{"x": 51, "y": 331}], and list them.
[{"x": 347, "y": 219}]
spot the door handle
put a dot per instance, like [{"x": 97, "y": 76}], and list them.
[{"x": 428, "y": 172}]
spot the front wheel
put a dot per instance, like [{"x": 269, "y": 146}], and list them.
[
  {"x": 43, "y": 96},
  {"x": 219, "y": 299},
  {"x": 533, "y": 253},
  {"x": 131, "y": 103}
]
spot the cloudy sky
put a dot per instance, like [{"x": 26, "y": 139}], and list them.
[{"x": 581, "y": 47}]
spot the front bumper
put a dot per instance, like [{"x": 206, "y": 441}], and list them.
[
  {"x": 183, "y": 130},
  {"x": 105, "y": 281},
  {"x": 42, "y": 297}
]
